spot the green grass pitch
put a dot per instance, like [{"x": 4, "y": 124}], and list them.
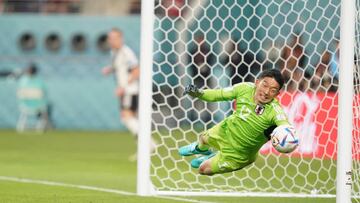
[{"x": 97, "y": 159}]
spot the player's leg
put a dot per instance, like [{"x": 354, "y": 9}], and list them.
[
  {"x": 221, "y": 163},
  {"x": 130, "y": 121},
  {"x": 206, "y": 140},
  {"x": 195, "y": 163},
  {"x": 205, "y": 168},
  {"x": 199, "y": 147},
  {"x": 215, "y": 166},
  {"x": 129, "y": 106},
  {"x": 128, "y": 113}
]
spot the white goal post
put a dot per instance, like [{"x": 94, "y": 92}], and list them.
[
  {"x": 144, "y": 186},
  {"x": 214, "y": 44},
  {"x": 346, "y": 86}
]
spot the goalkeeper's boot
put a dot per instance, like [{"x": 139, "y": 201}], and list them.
[
  {"x": 192, "y": 149},
  {"x": 195, "y": 163}
]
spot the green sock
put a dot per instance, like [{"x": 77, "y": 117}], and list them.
[{"x": 202, "y": 147}]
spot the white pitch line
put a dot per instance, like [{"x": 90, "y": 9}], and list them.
[{"x": 86, "y": 187}]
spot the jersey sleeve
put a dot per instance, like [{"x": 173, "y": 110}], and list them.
[
  {"x": 225, "y": 94},
  {"x": 279, "y": 116},
  {"x": 131, "y": 59}
]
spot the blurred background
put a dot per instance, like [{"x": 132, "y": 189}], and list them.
[{"x": 66, "y": 39}]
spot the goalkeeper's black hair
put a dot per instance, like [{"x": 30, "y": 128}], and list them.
[{"x": 273, "y": 73}]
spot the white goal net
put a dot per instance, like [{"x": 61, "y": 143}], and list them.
[{"x": 215, "y": 44}]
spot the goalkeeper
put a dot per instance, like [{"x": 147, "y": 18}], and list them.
[{"x": 239, "y": 137}]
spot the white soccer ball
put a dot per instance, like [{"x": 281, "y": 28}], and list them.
[{"x": 284, "y": 139}]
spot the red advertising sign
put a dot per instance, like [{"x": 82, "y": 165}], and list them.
[{"x": 314, "y": 117}]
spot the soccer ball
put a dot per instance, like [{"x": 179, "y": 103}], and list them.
[{"x": 284, "y": 139}]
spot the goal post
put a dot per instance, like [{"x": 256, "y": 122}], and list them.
[
  {"x": 214, "y": 44},
  {"x": 144, "y": 186},
  {"x": 346, "y": 87}
]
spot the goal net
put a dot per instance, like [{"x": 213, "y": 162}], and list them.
[{"x": 215, "y": 44}]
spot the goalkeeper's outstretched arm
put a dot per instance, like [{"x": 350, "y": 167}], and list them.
[{"x": 211, "y": 95}]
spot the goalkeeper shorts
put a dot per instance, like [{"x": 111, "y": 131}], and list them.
[{"x": 227, "y": 159}]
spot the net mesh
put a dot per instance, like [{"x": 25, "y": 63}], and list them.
[{"x": 215, "y": 44}]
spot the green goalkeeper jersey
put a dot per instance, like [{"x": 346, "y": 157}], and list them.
[{"x": 246, "y": 126}]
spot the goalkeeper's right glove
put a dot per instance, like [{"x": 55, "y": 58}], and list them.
[{"x": 193, "y": 91}]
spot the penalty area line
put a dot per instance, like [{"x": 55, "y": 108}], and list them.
[{"x": 86, "y": 187}]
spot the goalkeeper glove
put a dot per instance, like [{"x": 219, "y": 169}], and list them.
[{"x": 193, "y": 91}]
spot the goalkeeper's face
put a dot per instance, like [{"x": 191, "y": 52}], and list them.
[{"x": 266, "y": 90}]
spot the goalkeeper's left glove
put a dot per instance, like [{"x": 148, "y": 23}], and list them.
[{"x": 193, "y": 91}]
